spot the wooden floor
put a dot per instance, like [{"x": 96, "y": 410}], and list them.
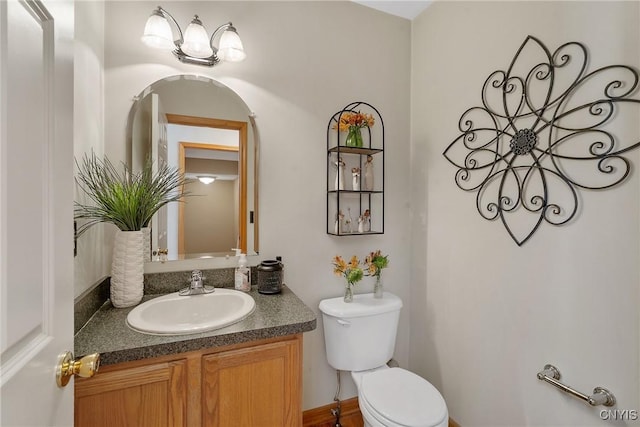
[{"x": 350, "y": 415}]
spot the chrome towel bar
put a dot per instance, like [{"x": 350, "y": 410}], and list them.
[{"x": 600, "y": 396}]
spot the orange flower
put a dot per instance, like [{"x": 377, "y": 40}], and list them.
[
  {"x": 340, "y": 265},
  {"x": 354, "y": 262},
  {"x": 349, "y": 119},
  {"x": 352, "y": 271}
]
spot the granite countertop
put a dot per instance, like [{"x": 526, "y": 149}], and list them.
[{"x": 107, "y": 332}]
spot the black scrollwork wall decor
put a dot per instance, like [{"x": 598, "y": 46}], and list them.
[{"x": 543, "y": 131}]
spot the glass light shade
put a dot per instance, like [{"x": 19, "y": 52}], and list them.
[
  {"x": 206, "y": 180},
  {"x": 231, "y": 48},
  {"x": 196, "y": 41},
  {"x": 157, "y": 33}
]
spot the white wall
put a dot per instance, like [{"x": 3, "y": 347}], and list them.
[
  {"x": 91, "y": 263},
  {"x": 210, "y": 226},
  {"x": 487, "y": 315},
  {"x": 306, "y": 60}
]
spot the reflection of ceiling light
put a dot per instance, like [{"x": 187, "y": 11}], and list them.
[
  {"x": 195, "y": 46},
  {"x": 206, "y": 179}
]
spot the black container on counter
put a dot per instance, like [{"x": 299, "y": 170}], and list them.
[{"x": 270, "y": 276}]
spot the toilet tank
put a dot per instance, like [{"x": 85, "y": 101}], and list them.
[{"x": 360, "y": 335}]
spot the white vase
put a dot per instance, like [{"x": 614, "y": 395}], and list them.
[
  {"x": 146, "y": 243},
  {"x": 127, "y": 269}
]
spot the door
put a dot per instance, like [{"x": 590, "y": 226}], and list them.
[
  {"x": 159, "y": 154},
  {"x": 36, "y": 210}
]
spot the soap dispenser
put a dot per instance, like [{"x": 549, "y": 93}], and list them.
[{"x": 242, "y": 275}]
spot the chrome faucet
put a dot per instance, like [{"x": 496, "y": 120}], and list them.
[
  {"x": 196, "y": 285},
  {"x": 196, "y": 279}
]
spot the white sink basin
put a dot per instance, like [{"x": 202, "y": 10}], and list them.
[{"x": 177, "y": 315}]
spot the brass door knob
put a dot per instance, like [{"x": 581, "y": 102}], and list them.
[{"x": 85, "y": 367}]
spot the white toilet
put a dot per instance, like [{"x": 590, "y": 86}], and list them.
[{"x": 360, "y": 337}]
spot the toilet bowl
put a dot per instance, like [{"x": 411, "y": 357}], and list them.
[
  {"x": 395, "y": 397},
  {"x": 360, "y": 338}
]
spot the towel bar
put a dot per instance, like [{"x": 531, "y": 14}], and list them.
[{"x": 600, "y": 396}]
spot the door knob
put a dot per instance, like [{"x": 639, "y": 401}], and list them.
[{"x": 85, "y": 367}]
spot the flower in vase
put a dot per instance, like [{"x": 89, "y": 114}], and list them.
[
  {"x": 375, "y": 262},
  {"x": 350, "y": 271},
  {"x": 349, "y": 119}
]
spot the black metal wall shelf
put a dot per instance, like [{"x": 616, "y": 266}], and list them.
[
  {"x": 355, "y": 212},
  {"x": 356, "y": 192},
  {"x": 355, "y": 233},
  {"x": 355, "y": 150}
]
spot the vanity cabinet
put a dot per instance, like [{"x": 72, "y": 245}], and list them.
[
  {"x": 256, "y": 386},
  {"x": 355, "y": 174},
  {"x": 251, "y": 384},
  {"x": 153, "y": 394}
]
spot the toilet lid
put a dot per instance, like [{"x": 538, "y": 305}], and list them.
[{"x": 403, "y": 398}]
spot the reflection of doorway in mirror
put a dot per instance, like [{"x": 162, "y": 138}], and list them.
[
  {"x": 208, "y": 222},
  {"x": 211, "y": 138}
]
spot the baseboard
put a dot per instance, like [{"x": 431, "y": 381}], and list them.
[{"x": 350, "y": 415}]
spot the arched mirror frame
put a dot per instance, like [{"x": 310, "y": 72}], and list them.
[{"x": 251, "y": 117}]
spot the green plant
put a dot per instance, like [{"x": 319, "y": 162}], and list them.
[
  {"x": 375, "y": 262},
  {"x": 127, "y": 200}
]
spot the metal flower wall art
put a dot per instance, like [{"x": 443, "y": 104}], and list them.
[{"x": 544, "y": 131}]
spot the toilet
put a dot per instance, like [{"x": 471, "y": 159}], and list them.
[{"x": 360, "y": 337}]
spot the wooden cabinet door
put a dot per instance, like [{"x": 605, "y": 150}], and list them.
[
  {"x": 151, "y": 395},
  {"x": 258, "y": 386}
]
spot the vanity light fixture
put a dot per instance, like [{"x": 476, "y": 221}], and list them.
[
  {"x": 195, "y": 47},
  {"x": 206, "y": 180}
]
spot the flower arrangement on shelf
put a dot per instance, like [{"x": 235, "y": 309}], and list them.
[
  {"x": 350, "y": 119},
  {"x": 352, "y": 122},
  {"x": 351, "y": 271},
  {"x": 375, "y": 262}
]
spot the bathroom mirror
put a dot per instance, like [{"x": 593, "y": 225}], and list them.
[{"x": 206, "y": 130}]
